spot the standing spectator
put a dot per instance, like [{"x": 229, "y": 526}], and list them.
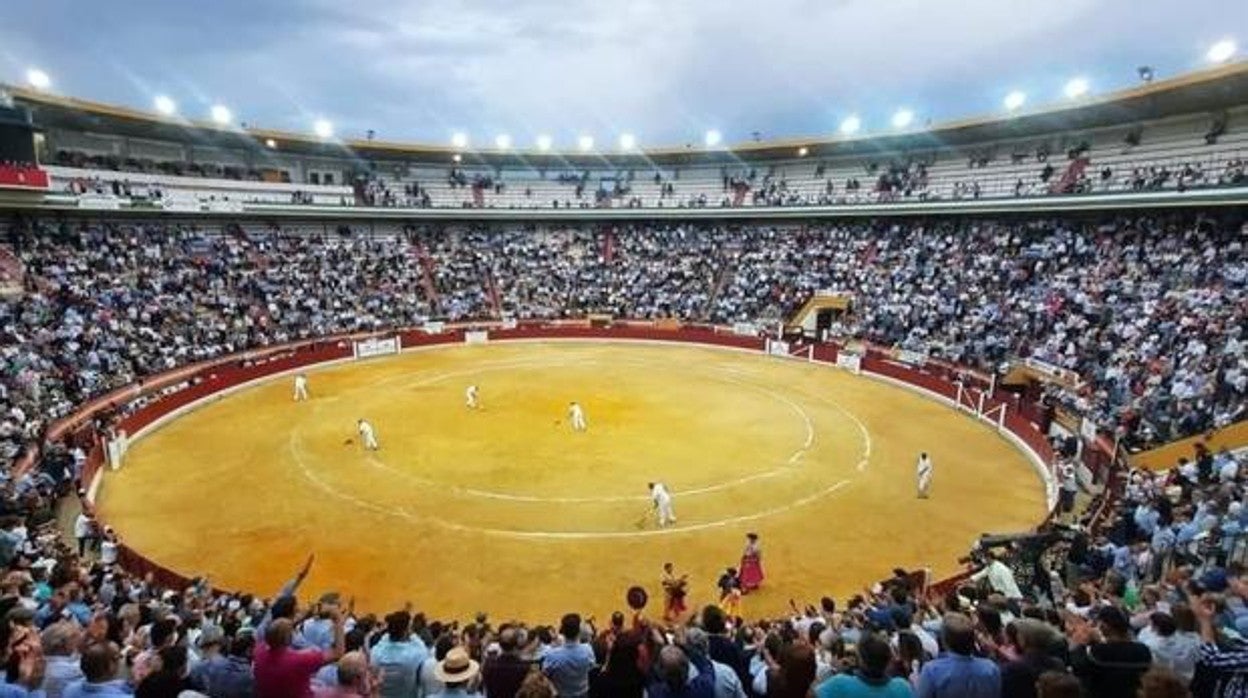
[
  {"x": 398, "y": 656},
  {"x": 1053, "y": 684},
  {"x": 957, "y": 673},
  {"x": 1111, "y": 665},
  {"x": 229, "y": 676},
  {"x": 727, "y": 683},
  {"x": 1227, "y": 667},
  {"x": 101, "y": 662},
  {"x": 568, "y": 664},
  {"x": 61, "y": 642},
  {"x": 871, "y": 680},
  {"x": 1036, "y": 639},
  {"x": 456, "y": 673},
  {"x": 84, "y": 532},
  {"x": 354, "y": 679},
  {"x": 679, "y": 674},
  {"x": 284, "y": 672},
  {"x": 504, "y": 673}
]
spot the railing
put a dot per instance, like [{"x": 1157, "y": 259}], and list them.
[{"x": 181, "y": 388}]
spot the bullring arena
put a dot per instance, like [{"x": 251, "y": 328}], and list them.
[{"x": 458, "y": 503}]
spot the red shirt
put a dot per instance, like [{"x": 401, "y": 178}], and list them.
[{"x": 286, "y": 673}]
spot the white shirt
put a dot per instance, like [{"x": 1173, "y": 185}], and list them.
[
  {"x": 575, "y": 412},
  {"x": 108, "y": 552},
  {"x": 660, "y": 495},
  {"x": 1001, "y": 578},
  {"x": 924, "y": 465},
  {"x": 471, "y": 392},
  {"x": 366, "y": 429},
  {"x": 301, "y": 381},
  {"x": 82, "y": 526}
]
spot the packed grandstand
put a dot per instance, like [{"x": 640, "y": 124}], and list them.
[{"x": 1136, "y": 587}]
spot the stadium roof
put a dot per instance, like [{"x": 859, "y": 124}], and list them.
[{"x": 1209, "y": 90}]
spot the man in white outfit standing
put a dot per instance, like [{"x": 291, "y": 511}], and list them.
[
  {"x": 367, "y": 436},
  {"x": 576, "y": 416},
  {"x": 470, "y": 397},
  {"x": 662, "y": 500},
  {"x": 923, "y": 471},
  {"x": 301, "y": 387}
]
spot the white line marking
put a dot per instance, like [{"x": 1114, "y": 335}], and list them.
[{"x": 295, "y": 448}]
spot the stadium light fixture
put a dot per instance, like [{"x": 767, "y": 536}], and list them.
[
  {"x": 323, "y": 128},
  {"x": 459, "y": 140},
  {"x": 803, "y": 152},
  {"x": 221, "y": 114},
  {"x": 457, "y": 158},
  {"x": 1221, "y": 52},
  {"x": 502, "y": 141},
  {"x": 1015, "y": 100},
  {"x": 585, "y": 143},
  {"x": 1076, "y": 88},
  {"x": 903, "y": 118},
  {"x": 270, "y": 143},
  {"x": 544, "y": 142},
  {"x": 850, "y": 125},
  {"x": 38, "y": 79},
  {"x": 628, "y": 142},
  {"x": 713, "y": 138},
  {"x": 165, "y": 105}
]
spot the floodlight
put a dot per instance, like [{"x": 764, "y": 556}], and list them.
[
  {"x": 457, "y": 157},
  {"x": 544, "y": 142},
  {"x": 713, "y": 138},
  {"x": 1076, "y": 88},
  {"x": 902, "y": 118},
  {"x": 502, "y": 141},
  {"x": 323, "y": 128},
  {"x": 803, "y": 152},
  {"x": 221, "y": 114},
  {"x": 460, "y": 140},
  {"x": 851, "y": 125},
  {"x": 627, "y": 141},
  {"x": 38, "y": 79},
  {"x": 165, "y": 105},
  {"x": 1015, "y": 99},
  {"x": 585, "y": 143},
  {"x": 1221, "y": 52},
  {"x": 270, "y": 143}
]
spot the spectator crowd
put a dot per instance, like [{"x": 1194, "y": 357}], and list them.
[{"x": 1148, "y": 310}]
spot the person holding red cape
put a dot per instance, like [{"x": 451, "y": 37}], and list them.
[{"x": 751, "y": 573}]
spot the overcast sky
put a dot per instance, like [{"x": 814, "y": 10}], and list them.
[{"x": 665, "y": 70}]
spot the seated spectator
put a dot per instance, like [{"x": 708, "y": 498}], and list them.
[{"x": 1106, "y": 659}]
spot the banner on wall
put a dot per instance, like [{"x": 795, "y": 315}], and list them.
[
  {"x": 476, "y": 337},
  {"x": 850, "y": 361},
  {"x": 433, "y": 327},
  {"x": 910, "y": 358},
  {"x": 745, "y": 329},
  {"x": 376, "y": 346},
  {"x": 777, "y": 347}
]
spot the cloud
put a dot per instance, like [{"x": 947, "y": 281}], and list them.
[{"x": 665, "y": 70}]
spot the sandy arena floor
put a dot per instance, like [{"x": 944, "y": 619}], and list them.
[{"x": 506, "y": 509}]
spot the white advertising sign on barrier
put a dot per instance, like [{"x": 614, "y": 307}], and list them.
[
  {"x": 376, "y": 346},
  {"x": 745, "y": 329},
  {"x": 912, "y": 358},
  {"x": 850, "y": 361},
  {"x": 433, "y": 327},
  {"x": 777, "y": 347},
  {"x": 99, "y": 202},
  {"x": 476, "y": 337},
  {"x": 510, "y": 323}
]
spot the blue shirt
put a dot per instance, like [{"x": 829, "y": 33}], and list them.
[
  {"x": 568, "y": 667},
  {"x": 959, "y": 676},
  {"x": 846, "y": 686},
  {"x": 106, "y": 689},
  {"x": 399, "y": 663},
  {"x": 12, "y": 690}
]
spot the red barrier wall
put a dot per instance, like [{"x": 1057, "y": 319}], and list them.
[{"x": 209, "y": 378}]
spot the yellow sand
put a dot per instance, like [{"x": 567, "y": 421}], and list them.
[{"x": 506, "y": 509}]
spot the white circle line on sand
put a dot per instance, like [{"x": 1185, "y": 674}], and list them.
[
  {"x": 296, "y": 449},
  {"x": 427, "y": 378}
]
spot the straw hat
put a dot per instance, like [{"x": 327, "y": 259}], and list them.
[{"x": 457, "y": 667}]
